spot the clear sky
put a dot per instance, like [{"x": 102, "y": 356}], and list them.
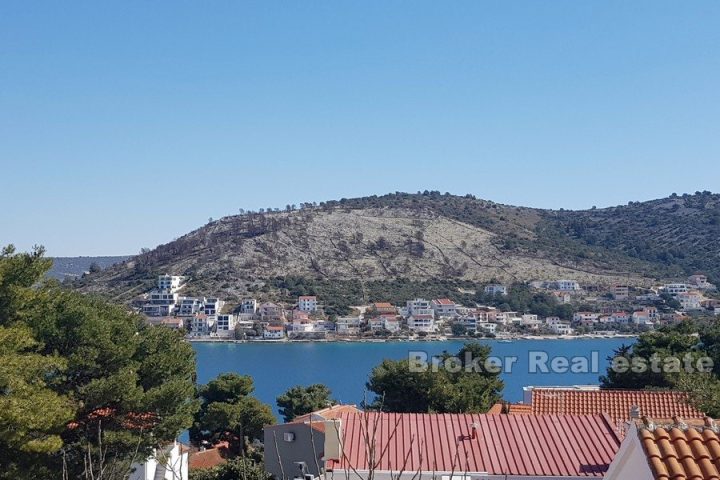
[{"x": 125, "y": 124}]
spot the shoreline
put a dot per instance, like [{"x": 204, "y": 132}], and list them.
[{"x": 508, "y": 339}]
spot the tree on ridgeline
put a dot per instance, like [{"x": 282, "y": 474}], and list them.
[
  {"x": 462, "y": 388},
  {"x": 301, "y": 400},
  {"x": 99, "y": 389}
]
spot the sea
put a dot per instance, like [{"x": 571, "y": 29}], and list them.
[{"x": 345, "y": 366}]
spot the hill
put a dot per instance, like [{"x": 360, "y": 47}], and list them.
[
  {"x": 73, "y": 267},
  {"x": 429, "y": 238}
]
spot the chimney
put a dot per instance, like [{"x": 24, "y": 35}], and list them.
[
  {"x": 333, "y": 439},
  {"x": 474, "y": 429},
  {"x": 634, "y": 412}
]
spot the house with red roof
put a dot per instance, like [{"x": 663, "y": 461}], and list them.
[
  {"x": 384, "y": 308},
  {"x": 394, "y": 446},
  {"x": 209, "y": 457},
  {"x": 668, "y": 450},
  {"x": 308, "y": 303},
  {"x": 444, "y": 307},
  {"x": 272, "y": 332},
  {"x": 621, "y": 406}
]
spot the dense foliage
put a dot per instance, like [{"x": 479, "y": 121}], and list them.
[
  {"x": 241, "y": 468},
  {"x": 688, "y": 343},
  {"x": 301, "y": 400},
  {"x": 462, "y": 388},
  {"x": 229, "y": 413},
  {"x": 77, "y": 373}
]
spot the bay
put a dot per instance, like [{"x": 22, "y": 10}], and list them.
[{"x": 345, "y": 366}]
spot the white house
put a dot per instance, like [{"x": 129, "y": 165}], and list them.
[
  {"x": 561, "y": 328},
  {"x": 646, "y": 316},
  {"x": 553, "y": 320},
  {"x": 273, "y": 333},
  {"x": 499, "y": 317},
  {"x": 495, "y": 289},
  {"x": 189, "y": 306},
  {"x": 444, "y": 307},
  {"x": 421, "y": 323},
  {"x": 202, "y": 324},
  {"x": 586, "y": 318},
  {"x": 248, "y": 306},
  {"x": 158, "y": 310},
  {"x": 169, "y": 283},
  {"x": 271, "y": 312},
  {"x": 567, "y": 285},
  {"x": 213, "y": 306},
  {"x": 486, "y": 327},
  {"x": 620, "y": 317},
  {"x": 690, "y": 301},
  {"x": 225, "y": 325},
  {"x": 391, "y": 323},
  {"x": 300, "y": 327},
  {"x": 169, "y": 463},
  {"x": 348, "y": 325},
  {"x": 160, "y": 304},
  {"x": 419, "y": 306},
  {"x": 676, "y": 288},
  {"x": 308, "y": 303}
]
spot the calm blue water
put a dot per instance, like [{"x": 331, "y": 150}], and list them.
[{"x": 344, "y": 366}]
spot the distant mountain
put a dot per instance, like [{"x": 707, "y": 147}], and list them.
[
  {"x": 72, "y": 267},
  {"x": 429, "y": 236}
]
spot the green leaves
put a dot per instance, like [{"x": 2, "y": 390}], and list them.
[
  {"x": 23, "y": 426},
  {"x": 454, "y": 390},
  {"x": 228, "y": 412},
  {"x": 686, "y": 342},
  {"x": 227, "y": 387},
  {"x": 300, "y": 400},
  {"x": 76, "y": 371}
]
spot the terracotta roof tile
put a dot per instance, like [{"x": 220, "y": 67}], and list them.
[
  {"x": 615, "y": 403},
  {"x": 511, "y": 408},
  {"x": 212, "y": 457},
  {"x": 328, "y": 413},
  {"x": 681, "y": 451},
  {"x": 444, "y": 301},
  {"x": 519, "y": 445}
]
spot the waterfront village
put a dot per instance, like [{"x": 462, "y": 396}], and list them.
[{"x": 591, "y": 311}]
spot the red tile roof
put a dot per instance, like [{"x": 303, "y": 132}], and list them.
[
  {"x": 444, "y": 301},
  {"x": 212, "y": 457},
  {"x": 681, "y": 452},
  {"x": 532, "y": 445},
  {"x": 615, "y": 403},
  {"x": 383, "y": 305},
  {"x": 511, "y": 408}
]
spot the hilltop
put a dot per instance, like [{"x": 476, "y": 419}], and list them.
[{"x": 428, "y": 236}]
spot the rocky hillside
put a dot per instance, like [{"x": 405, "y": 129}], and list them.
[{"x": 426, "y": 236}]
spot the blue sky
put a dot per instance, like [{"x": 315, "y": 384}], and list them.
[{"x": 126, "y": 124}]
